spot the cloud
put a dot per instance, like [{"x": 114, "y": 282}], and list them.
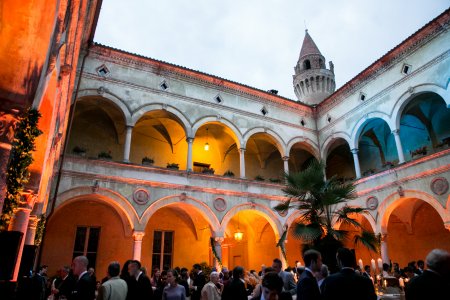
[{"x": 257, "y": 42}]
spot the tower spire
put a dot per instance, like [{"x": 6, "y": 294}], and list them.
[{"x": 313, "y": 82}]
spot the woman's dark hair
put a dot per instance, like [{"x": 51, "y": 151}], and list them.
[{"x": 124, "y": 273}]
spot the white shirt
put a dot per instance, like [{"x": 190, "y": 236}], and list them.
[
  {"x": 81, "y": 275},
  {"x": 137, "y": 277}
]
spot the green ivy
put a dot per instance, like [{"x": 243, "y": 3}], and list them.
[
  {"x": 21, "y": 157},
  {"x": 39, "y": 230}
]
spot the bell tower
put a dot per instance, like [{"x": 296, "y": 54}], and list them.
[{"x": 313, "y": 82}]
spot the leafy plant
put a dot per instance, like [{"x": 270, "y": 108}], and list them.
[
  {"x": 259, "y": 178},
  {"x": 275, "y": 180},
  {"x": 208, "y": 171},
  {"x": 78, "y": 150},
  {"x": 147, "y": 160},
  {"x": 21, "y": 157},
  {"x": 173, "y": 166},
  {"x": 228, "y": 174},
  {"x": 106, "y": 155},
  {"x": 322, "y": 203},
  {"x": 40, "y": 230}
]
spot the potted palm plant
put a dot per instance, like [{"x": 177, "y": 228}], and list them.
[
  {"x": 208, "y": 170},
  {"x": 148, "y": 161},
  {"x": 80, "y": 151},
  {"x": 323, "y": 202},
  {"x": 173, "y": 166},
  {"x": 228, "y": 174}
]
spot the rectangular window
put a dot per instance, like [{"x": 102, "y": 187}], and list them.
[
  {"x": 86, "y": 243},
  {"x": 162, "y": 249},
  {"x": 198, "y": 166}
]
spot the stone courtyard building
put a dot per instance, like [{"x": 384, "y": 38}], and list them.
[{"x": 161, "y": 158}]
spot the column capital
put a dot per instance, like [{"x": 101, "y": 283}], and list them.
[
  {"x": 395, "y": 131},
  {"x": 285, "y": 158},
  {"x": 447, "y": 225},
  {"x": 27, "y": 200},
  {"x": 190, "y": 140},
  {"x": 138, "y": 235},
  {"x": 219, "y": 240},
  {"x": 354, "y": 150},
  {"x": 384, "y": 237},
  {"x": 130, "y": 127},
  {"x": 241, "y": 150}
]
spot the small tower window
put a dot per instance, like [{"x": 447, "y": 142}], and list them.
[
  {"x": 307, "y": 64},
  {"x": 264, "y": 111},
  {"x": 406, "y": 69},
  {"x": 362, "y": 96},
  {"x": 329, "y": 118},
  {"x": 218, "y": 99},
  {"x": 103, "y": 71},
  {"x": 321, "y": 64},
  {"x": 302, "y": 122},
  {"x": 164, "y": 85}
]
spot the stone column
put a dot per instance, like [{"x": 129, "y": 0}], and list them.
[
  {"x": 283, "y": 260},
  {"x": 127, "y": 146},
  {"x": 137, "y": 246},
  {"x": 218, "y": 248},
  {"x": 31, "y": 231},
  {"x": 190, "y": 141},
  {"x": 384, "y": 248},
  {"x": 286, "y": 164},
  {"x": 356, "y": 162},
  {"x": 398, "y": 143},
  {"x": 242, "y": 162},
  {"x": 8, "y": 120},
  {"x": 20, "y": 223}
]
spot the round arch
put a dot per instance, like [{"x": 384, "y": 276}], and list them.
[
  {"x": 393, "y": 201},
  {"x": 310, "y": 145},
  {"x": 407, "y": 96},
  {"x": 201, "y": 207},
  {"x": 213, "y": 119},
  {"x": 184, "y": 122},
  {"x": 259, "y": 209},
  {"x": 119, "y": 203},
  {"x": 281, "y": 146},
  {"x": 359, "y": 126},
  {"x": 329, "y": 141},
  {"x": 107, "y": 95}
]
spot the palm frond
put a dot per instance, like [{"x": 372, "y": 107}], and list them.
[
  {"x": 338, "y": 234},
  {"x": 307, "y": 232},
  {"x": 368, "y": 240},
  {"x": 283, "y": 206}
]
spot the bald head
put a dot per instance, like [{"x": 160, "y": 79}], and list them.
[
  {"x": 79, "y": 265},
  {"x": 438, "y": 260}
]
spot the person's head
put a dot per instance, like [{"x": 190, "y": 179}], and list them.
[
  {"x": 276, "y": 265},
  {"x": 409, "y": 271},
  {"x": 420, "y": 264},
  {"x": 226, "y": 273},
  {"x": 114, "y": 269},
  {"x": 134, "y": 267},
  {"x": 323, "y": 273},
  {"x": 345, "y": 258},
  {"x": 42, "y": 270},
  {"x": 172, "y": 276},
  {"x": 238, "y": 272},
  {"x": 367, "y": 268},
  {"x": 197, "y": 268},
  {"x": 156, "y": 273},
  {"x": 79, "y": 265},
  {"x": 438, "y": 260},
  {"x": 65, "y": 271},
  {"x": 313, "y": 260},
  {"x": 272, "y": 285},
  {"x": 124, "y": 273},
  {"x": 214, "y": 277},
  {"x": 91, "y": 271},
  {"x": 163, "y": 278}
]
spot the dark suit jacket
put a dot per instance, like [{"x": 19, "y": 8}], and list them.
[
  {"x": 429, "y": 285},
  {"x": 38, "y": 287},
  {"x": 140, "y": 289},
  {"x": 65, "y": 287},
  {"x": 307, "y": 288},
  {"x": 199, "y": 282},
  {"x": 234, "y": 290},
  {"x": 347, "y": 285},
  {"x": 84, "y": 288}
]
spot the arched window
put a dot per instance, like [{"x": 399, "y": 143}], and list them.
[
  {"x": 307, "y": 64},
  {"x": 321, "y": 64}
]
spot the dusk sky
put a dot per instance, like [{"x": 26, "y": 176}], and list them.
[{"x": 257, "y": 42}]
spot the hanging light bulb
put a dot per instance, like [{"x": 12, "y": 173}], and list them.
[
  {"x": 238, "y": 235},
  {"x": 206, "y": 147}
]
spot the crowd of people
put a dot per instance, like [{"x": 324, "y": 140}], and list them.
[{"x": 424, "y": 280}]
